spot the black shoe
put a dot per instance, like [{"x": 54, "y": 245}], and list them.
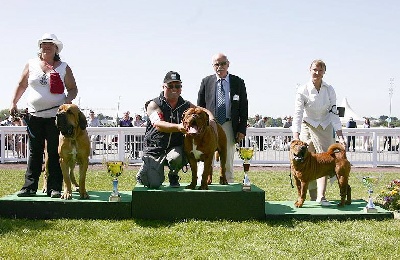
[
  {"x": 55, "y": 194},
  {"x": 173, "y": 181},
  {"x": 138, "y": 180},
  {"x": 26, "y": 193}
]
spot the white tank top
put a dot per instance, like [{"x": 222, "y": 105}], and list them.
[{"x": 39, "y": 95}]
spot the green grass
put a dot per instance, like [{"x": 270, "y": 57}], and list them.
[{"x": 193, "y": 239}]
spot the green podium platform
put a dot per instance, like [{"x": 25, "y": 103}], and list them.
[
  {"x": 312, "y": 210},
  {"x": 219, "y": 202},
  {"x": 43, "y": 207}
]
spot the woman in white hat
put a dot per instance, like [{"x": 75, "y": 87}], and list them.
[
  {"x": 46, "y": 93},
  {"x": 315, "y": 120}
]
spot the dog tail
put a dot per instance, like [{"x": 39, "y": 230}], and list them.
[{"x": 337, "y": 151}]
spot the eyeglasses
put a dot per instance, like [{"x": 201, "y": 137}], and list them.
[
  {"x": 171, "y": 86},
  {"x": 220, "y": 64}
]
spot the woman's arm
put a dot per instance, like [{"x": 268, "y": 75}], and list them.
[{"x": 70, "y": 85}]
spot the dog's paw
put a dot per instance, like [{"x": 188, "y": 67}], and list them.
[
  {"x": 298, "y": 204},
  {"x": 66, "y": 196},
  {"x": 203, "y": 187},
  {"x": 84, "y": 196},
  {"x": 191, "y": 186},
  {"x": 223, "y": 181}
]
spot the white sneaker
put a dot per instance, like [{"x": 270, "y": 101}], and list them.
[{"x": 323, "y": 202}]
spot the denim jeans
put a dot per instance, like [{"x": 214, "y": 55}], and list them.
[{"x": 41, "y": 129}]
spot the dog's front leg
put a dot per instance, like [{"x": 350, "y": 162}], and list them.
[
  {"x": 82, "y": 180},
  {"x": 193, "y": 167},
  {"x": 67, "y": 193},
  {"x": 301, "y": 191},
  {"x": 73, "y": 180},
  {"x": 206, "y": 178}
]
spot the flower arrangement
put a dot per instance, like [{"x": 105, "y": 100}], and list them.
[{"x": 389, "y": 198}]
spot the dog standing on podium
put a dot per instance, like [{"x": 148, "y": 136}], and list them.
[
  {"x": 307, "y": 166},
  {"x": 73, "y": 148},
  {"x": 202, "y": 140}
]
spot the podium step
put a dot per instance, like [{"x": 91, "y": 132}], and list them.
[
  {"x": 43, "y": 207},
  {"x": 219, "y": 202}
]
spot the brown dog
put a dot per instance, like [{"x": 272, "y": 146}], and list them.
[
  {"x": 307, "y": 166},
  {"x": 74, "y": 147},
  {"x": 203, "y": 138}
]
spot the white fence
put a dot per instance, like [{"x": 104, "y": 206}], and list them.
[{"x": 373, "y": 147}]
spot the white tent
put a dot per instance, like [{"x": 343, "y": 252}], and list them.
[{"x": 349, "y": 112}]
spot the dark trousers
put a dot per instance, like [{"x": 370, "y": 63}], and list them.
[
  {"x": 260, "y": 142},
  {"x": 388, "y": 140},
  {"x": 349, "y": 139},
  {"x": 41, "y": 129}
]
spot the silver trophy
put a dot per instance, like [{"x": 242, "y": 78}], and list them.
[
  {"x": 246, "y": 153},
  {"x": 369, "y": 182}
]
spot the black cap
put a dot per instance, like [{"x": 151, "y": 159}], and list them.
[{"x": 172, "y": 76}]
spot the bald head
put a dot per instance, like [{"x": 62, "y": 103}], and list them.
[{"x": 221, "y": 64}]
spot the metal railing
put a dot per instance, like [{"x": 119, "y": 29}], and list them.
[{"x": 373, "y": 146}]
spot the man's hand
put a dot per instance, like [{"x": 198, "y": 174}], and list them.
[
  {"x": 13, "y": 110},
  {"x": 181, "y": 129},
  {"x": 239, "y": 137}
]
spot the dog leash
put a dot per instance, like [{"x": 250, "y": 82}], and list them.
[
  {"x": 31, "y": 135},
  {"x": 46, "y": 109},
  {"x": 290, "y": 176}
]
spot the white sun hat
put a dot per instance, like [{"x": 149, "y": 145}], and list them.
[{"x": 49, "y": 37}]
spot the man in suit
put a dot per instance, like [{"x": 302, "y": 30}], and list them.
[{"x": 225, "y": 96}]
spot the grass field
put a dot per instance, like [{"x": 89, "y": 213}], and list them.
[{"x": 193, "y": 239}]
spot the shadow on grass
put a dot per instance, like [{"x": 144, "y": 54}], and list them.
[{"x": 19, "y": 225}]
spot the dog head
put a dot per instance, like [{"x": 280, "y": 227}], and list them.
[
  {"x": 298, "y": 150},
  {"x": 195, "y": 120},
  {"x": 69, "y": 118}
]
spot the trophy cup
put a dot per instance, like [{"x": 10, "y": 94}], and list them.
[
  {"x": 115, "y": 169},
  {"x": 246, "y": 153},
  {"x": 369, "y": 182}
]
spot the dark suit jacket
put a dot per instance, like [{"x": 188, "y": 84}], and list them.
[{"x": 238, "y": 97}]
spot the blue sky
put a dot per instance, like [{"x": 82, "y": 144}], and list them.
[{"x": 119, "y": 51}]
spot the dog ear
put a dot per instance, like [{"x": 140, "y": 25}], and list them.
[
  {"x": 207, "y": 118},
  {"x": 185, "y": 112},
  {"x": 61, "y": 108},
  {"x": 82, "y": 121}
]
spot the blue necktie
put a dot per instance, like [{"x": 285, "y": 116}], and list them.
[{"x": 221, "y": 107}]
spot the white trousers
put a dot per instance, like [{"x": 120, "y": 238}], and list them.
[{"x": 227, "y": 126}]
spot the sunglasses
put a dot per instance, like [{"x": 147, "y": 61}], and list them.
[
  {"x": 171, "y": 86},
  {"x": 220, "y": 64}
]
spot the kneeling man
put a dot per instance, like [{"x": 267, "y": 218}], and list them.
[{"x": 163, "y": 141}]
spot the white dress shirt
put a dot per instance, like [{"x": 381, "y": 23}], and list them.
[{"x": 316, "y": 108}]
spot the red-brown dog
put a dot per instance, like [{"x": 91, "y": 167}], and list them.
[
  {"x": 74, "y": 147},
  {"x": 307, "y": 166},
  {"x": 203, "y": 138}
]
